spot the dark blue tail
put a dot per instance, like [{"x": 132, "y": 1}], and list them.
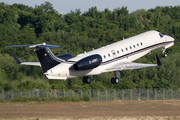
[
  {"x": 45, "y": 56},
  {"x": 47, "y": 59}
]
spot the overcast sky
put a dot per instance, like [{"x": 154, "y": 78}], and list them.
[{"x": 65, "y": 6}]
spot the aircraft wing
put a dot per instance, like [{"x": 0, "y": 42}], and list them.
[
  {"x": 25, "y": 63},
  {"x": 131, "y": 66}
]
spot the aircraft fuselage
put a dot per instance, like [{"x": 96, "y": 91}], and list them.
[{"x": 126, "y": 50}]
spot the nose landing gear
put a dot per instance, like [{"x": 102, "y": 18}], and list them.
[
  {"x": 164, "y": 55},
  {"x": 163, "y": 52}
]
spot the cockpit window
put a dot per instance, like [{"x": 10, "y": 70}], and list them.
[{"x": 161, "y": 35}]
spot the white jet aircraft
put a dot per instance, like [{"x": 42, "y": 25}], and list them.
[{"x": 114, "y": 57}]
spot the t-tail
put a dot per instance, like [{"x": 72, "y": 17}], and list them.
[{"x": 46, "y": 57}]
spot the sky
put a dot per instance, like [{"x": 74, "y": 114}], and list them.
[{"x": 65, "y": 6}]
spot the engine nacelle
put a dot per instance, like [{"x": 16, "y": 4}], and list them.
[
  {"x": 65, "y": 56},
  {"x": 89, "y": 62}
]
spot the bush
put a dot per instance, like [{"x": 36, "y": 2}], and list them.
[
  {"x": 45, "y": 99},
  {"x": 35, "y": 99},
  {"x": 76, "y": 99},
  {"x": 19, "y": 99},
  {"x": 24, "y": 99},
  {"x": 64, "y": 99},
  {"x": 69, "y": 99},
  {"x": 31, "y": 99},
  {"x": 86, "y": 97},
  {"x": 1, "y": 100}
]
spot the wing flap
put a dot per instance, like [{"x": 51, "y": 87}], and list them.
[{"x": 129, "y": 66}]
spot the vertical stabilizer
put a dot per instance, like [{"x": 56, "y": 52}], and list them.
[{"x": 47, "y": 58}]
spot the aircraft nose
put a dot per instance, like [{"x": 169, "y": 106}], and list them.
[
  {"x": 172, "y": 39},
  {"x": 169, "y": 38}
]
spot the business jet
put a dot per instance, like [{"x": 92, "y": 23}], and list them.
[{"x": 114, "y": 57}]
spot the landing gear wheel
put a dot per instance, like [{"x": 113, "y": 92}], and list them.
[
  {"x": 116, "y": 80},
  {"x": 164, "y": 55},
  {"x": 112, "y": 80},
  {"x": 86, "y": 79},
  {"x": 163, "y": 52}
]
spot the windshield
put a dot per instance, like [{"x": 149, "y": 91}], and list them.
[{"x": 161, "y": 35}]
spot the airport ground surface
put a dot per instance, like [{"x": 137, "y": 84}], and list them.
[{"x": 154, "y": 110}]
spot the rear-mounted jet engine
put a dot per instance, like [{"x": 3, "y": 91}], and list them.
[{"x": 89, "y": 62}]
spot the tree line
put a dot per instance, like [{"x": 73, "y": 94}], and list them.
[{"x": 78, "y": 32}]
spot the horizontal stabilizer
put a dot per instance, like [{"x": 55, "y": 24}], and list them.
[
  {"x": 43, "y": 45},
  {"x": 19, "y": 46},
  {"x": 49, "y": 46},
  {"x": 25, "y": 63},
  {"x": 31, "y": 63}
]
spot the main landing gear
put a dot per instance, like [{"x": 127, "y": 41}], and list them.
[
  {"x": 86, "y": 79},
  {"x": 115, "y": 79}
]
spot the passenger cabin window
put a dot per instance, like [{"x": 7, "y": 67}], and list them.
[
  {"x": 104, "y": 56},
  {"x": 126, "y": 49},
  {"x": 141, "y": 43},
  {"x": 118, "y": 52},
  {"x": 122, "y": 50},
  {"x": 130, "y": 47},
  {"x": 109, "y": 55},
  {"x": 134, "y": 46},
  {"x": 161, "y": 35},
  {"x": 138, "y": 45}
]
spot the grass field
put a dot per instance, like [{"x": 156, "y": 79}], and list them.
[{"x": 122, "y": 110}]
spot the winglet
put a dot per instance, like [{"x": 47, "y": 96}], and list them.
[
  {"x": 15, "y": 58},
  {"x": 158, "y": 61}
]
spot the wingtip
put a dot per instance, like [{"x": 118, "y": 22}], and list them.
[
  {"x": 158, "y": 61},
  {"x": 15, "y": 58}
]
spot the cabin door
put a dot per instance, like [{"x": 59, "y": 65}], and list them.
[{"x": 113, "y": 54}]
